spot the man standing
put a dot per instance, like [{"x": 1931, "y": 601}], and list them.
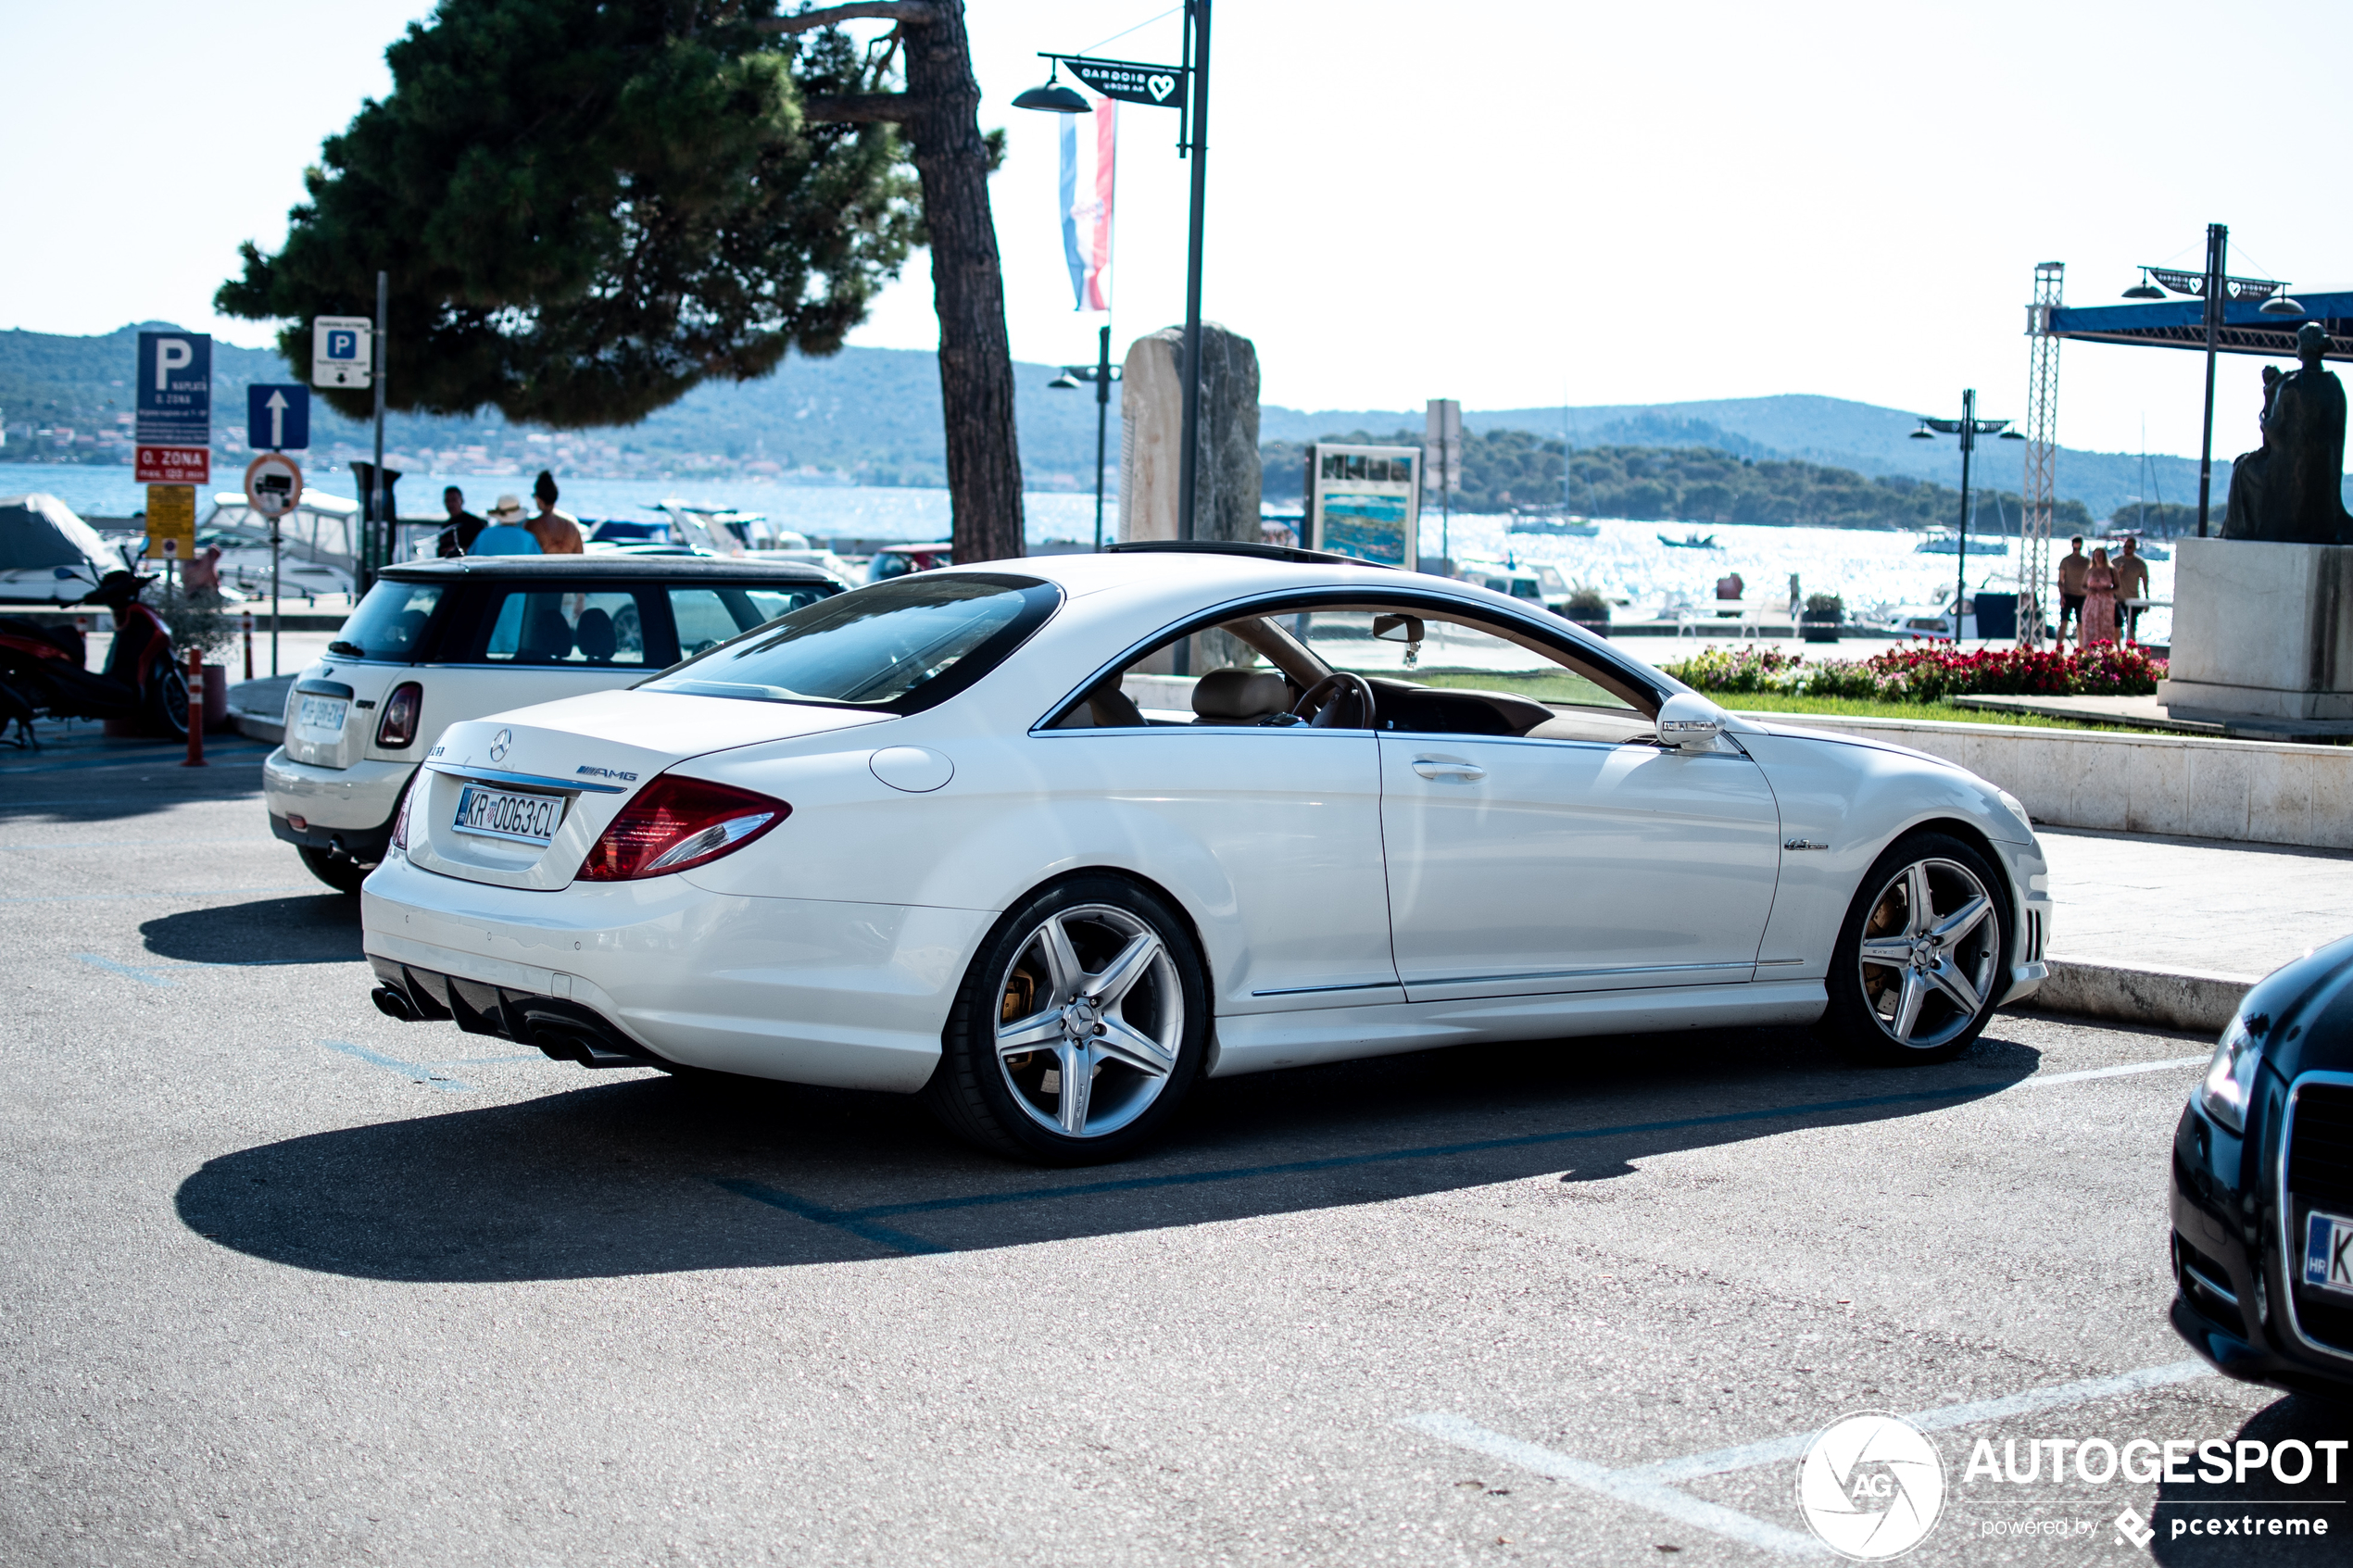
[
  {"x": 464, "y": 527},
  {"x": 2132, "y": 583},
  {"x": 558, "y": 532},
  {"x": 2072, "y": 567}
]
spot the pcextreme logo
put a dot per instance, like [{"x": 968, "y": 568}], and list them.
[{"x": 1872, "y": 1486}]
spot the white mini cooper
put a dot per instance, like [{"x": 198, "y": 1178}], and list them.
[{"x": 437, "y": 642}]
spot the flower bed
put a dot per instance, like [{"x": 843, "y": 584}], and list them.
[{"x": 1927, "y": 672}]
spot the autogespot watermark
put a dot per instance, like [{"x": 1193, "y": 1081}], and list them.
[{"x": 1873, "y": 1486}]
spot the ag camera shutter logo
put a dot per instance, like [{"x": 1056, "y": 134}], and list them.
[{"x": 1872, "y": 1486}]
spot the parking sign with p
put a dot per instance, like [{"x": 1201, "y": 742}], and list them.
[{"x": 339, "y": 350}]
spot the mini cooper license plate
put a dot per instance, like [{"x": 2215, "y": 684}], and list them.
[
  {"x": 321, "y": 716},
  {"x": 503, "y": 814},
  {"x": 2328, "y": 1252}
]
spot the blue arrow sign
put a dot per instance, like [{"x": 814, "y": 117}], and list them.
[
  {"x": 278, "y": 417},
  {"x": 172, "y": 397}
]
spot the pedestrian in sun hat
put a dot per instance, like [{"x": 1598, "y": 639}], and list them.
[{"x": 506, "y": 535}]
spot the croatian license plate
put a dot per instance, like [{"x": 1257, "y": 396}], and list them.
[
  {"x": 503, "y": 814},
  {"x": 2328, "y": 1252},
  {"x": 321, "y": 716}
]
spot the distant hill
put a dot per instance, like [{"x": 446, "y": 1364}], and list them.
[{"x": 873, "y": 416}]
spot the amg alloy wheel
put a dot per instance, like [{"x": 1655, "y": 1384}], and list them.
[
  {"x": 1920, "y": 960},
  {"x": 1078, "y": 1029}
]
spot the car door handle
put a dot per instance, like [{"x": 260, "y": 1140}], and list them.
[{"x": 1432, "y": 768}]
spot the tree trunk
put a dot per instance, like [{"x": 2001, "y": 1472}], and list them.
[{"x": 968, "y": 289}]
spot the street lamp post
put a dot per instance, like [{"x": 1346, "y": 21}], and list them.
[
  {"x": 2216, "y": 288},
  {"x": 1102, "y": 372},
  {"x": 1185, "y": 88},
  {"x": 1969, "y": 427}
]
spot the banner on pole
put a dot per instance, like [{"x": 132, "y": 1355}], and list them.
[
  {"x": 1085, "y": 220},
  {"x": 1161, "y": 86}
]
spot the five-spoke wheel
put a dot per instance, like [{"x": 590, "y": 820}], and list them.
[
  {"x": 1920, "y": 964},
  {"x": 1078, "y": 1028}
]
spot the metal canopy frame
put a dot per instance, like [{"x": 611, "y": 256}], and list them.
[{"x": 2181, "y": 323}]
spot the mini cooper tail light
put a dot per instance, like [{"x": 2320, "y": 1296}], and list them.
[
  {"x": 676, "y": 823},
  {"x": 398, "y": 728}
]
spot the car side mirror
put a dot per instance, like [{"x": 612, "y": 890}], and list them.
[
  {"x": 1688, "y": 722},
  {"x": 1398, "y": 628}
]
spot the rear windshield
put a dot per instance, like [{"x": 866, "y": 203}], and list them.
[
  {"x": 901, "y": 645},
  {"x": 389, "y": 622}
]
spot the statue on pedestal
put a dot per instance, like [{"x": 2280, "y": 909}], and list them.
[{"x": 2289, "y": 492}]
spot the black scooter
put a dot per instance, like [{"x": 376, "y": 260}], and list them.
[{"x": 43, "y": 673}]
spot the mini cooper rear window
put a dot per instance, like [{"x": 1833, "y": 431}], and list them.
[
  {"x": 903, "y": 645},
  {"x": 390, "y": 621}
]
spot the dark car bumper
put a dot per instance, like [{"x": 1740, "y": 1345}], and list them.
[
  {"x": 365, "y": 845},
  {"x": 2234, "y": 1301}
]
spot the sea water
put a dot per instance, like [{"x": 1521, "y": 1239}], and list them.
[{"x": 1873, "y": 571}]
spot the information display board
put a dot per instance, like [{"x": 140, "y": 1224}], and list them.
[
  {"x": 171, "y": 521},
  {"x": 1365, "y": 502}
]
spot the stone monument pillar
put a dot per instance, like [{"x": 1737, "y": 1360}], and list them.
[
  {"x": 2263, "y": 617},
  {"x": 1151, "y": 426}
]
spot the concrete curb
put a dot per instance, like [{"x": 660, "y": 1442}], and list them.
[{"x": 2187, "y": 999}]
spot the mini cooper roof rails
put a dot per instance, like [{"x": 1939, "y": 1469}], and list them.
[{"x": 1240, "y": 548}]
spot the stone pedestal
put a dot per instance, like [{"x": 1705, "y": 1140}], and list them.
[
  {"x": 1151, "y": 424},
  {"x": 2260, "y": 630}
]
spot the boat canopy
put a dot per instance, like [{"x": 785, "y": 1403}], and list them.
[{"x": 39, "y": 533}]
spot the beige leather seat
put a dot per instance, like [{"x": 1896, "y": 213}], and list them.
[{"x": 1238, "y": 697}]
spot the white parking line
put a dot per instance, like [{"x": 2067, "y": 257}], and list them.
[
  {"x": 1653, "y": 1486},
  {"x": 1680, "y": 1506},
  {"x": 2127, "y": 1069}
]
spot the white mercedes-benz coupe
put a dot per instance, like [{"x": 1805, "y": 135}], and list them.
[{"x": 1047, "y": 840}]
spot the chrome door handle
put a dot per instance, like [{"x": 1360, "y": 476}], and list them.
[{"x": 1431, "y": 768}]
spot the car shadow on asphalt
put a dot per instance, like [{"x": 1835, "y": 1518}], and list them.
[
  {"x": 653, "y": 1175},
  {"x": 2239, "y": 1513},
  {"x": 320, "y": 927}
]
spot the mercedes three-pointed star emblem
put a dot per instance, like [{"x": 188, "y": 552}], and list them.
[{"x": 499, "y": 743}]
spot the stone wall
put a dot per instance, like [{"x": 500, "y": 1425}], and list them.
[
  {"x": 2261, "y": 629},
  {"x": 2258, "y": 792}
]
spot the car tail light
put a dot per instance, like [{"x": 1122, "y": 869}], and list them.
[
  {"x": 398, "y": 728},
  {"x": 674, "y": 823},
  {"x": 400, "y": 818}
]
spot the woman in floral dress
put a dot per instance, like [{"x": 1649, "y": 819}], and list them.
[{"x": 2096, "y": 622}]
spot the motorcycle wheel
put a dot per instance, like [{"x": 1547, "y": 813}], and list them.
[{"x": 167, "y": 702}]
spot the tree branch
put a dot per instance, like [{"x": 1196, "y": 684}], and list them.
[
  {"x": 863, "y": 108},
  {"x": 910, "y": 13}
]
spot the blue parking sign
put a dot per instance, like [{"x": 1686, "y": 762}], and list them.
[
  {"x": 171, "y": 401},
  {"x": 278, "y": 417}
]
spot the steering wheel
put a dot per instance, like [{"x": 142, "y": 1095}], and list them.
[{"x": 1339, "y": 701}]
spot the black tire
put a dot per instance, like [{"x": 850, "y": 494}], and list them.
[
  {"x": 1011, "y": 1101},
  {"x": 166, "y": 701},
  {"x": 1941, "y": 964},
  {"x": 339, "y": 871}
]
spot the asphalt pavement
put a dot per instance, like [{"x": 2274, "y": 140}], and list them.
[{"x": 286, "y": 1282}]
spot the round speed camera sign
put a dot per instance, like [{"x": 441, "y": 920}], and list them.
[{"x": 274, "y": 484}]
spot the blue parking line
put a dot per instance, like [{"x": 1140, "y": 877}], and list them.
[
  {"x": 839, "y": 1219},
  {"x": 143, "y": 975},
  {"x": 859, "y": 1222},
  {"x": 422, "y": 1074}
]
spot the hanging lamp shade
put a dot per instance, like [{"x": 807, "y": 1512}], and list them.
[
  {"x": 2013, "y": 436},
  {"x": 1063, "y": 382},
  {"x": 2145, "y": 289},
  {"x": 1054, "y": 98},
  {"x": 2280, "y": 305},
  {"x": 1923, "y": 433}
]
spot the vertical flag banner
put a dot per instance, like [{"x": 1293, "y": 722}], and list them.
[
  {"x": 1106, "y": 165},
  {"x": 1089, "y": 261},
  {"x": 1070, "y": 211}
]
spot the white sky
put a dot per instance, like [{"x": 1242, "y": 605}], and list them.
[{"x": 1511, "y": 204}]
